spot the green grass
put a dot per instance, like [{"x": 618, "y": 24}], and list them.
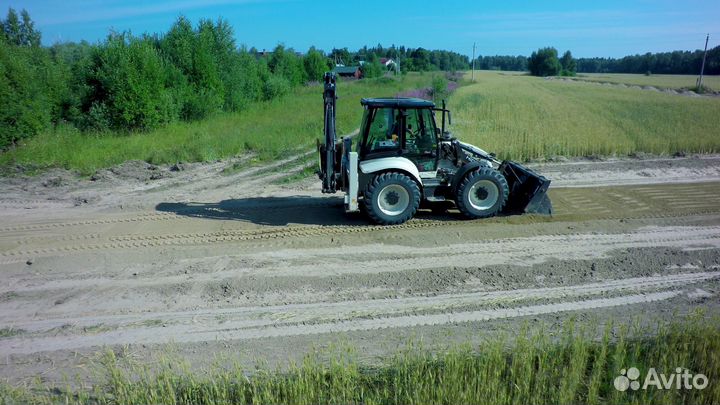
[
  {"x": 660, "y": 81},
  {"x": 525, "y": 117},
  {"x": 270, "y": 129},
  {"x": 576, "y": 363},
  {"x": 10, "y": 332}
]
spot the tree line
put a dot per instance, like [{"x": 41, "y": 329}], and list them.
[
  {"x": 410, "y": 59},
  {"x": 676, "y": 62},
  {"x": 135, "y": 83}
]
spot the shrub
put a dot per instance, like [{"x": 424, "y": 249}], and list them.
[
  {"x": 243, "y": 83},
  {"x": 128, "y": 77},
  {"x": 316, "y": 65},
  {"x": 276, "y": 86},
  {"x": 26, "y": 105},
  {"x": 372, "y": 68},
  {"x": 288, "y": 64},
  {"x": 439, "y": 88}
]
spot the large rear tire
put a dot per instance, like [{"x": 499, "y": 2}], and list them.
[
  {"x": 482, "y": 193},
  {"x": 391, "y": 198}
]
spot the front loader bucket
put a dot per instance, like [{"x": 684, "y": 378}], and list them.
[{"x": 528, "y": 190}]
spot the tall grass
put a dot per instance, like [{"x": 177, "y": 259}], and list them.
[
  {"x": 571, "y": 366},
  {"x": 659, "y": 81},
  {"x": 524, "y": 117},
  {"x": 270, "y": 129}
]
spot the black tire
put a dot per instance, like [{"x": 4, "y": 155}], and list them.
[
  {"x": 389, "y": 186},
  {"x": 486, "y": 201}
]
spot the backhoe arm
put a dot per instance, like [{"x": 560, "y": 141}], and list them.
[{"x": 327, "y": 151}]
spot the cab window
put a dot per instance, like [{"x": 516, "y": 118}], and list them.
[
  {"x": 420, "y": 132},
  {"x": 383, "y": 130}
]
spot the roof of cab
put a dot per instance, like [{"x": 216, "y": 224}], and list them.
[{"x": 397, "y": 102}]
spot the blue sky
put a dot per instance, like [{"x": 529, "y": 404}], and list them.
[{"x": 600, "y": 28}]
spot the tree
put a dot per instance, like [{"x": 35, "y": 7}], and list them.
[
  {"x": 341, "y": 56},
  {"x": 25, "y": 105},
  {"x": 20, "y": 32},
  {"x": 316, "y": 64},
  {"x": 544, "y": 62},
  {"x": 29, "y": 36},
  {"x": 129, "y": 83},
  {"x": 421, "y": 60},
  {"x": 569, "y": 65},
  {"x": 286, "y": 63},
  {"x": 372, "y": 68}
]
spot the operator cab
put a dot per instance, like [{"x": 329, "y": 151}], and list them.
[{"x": 399, "y": 127}]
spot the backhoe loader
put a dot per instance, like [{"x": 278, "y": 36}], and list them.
[{"x": 401, "y": 160}]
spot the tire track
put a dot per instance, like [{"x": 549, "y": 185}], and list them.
[
  {"x": 169, "y": 240},
  {"x": 347, "y": 310},
  {"x": 374, "y": 258},
  {"x": 150, "y": 216},
  {"x": 244, "y": 330}
]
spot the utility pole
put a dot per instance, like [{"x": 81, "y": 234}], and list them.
[
  {"x": 473, "y": 62},
  {"x": 702, "y": 69}
]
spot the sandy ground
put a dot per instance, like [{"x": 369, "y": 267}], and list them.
[{"x": 244, "y": 264}]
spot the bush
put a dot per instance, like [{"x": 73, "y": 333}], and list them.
[
  {"x": 128, "y": 78},
  {"x": 97, "y": 118},
  {"x": 276, "y": 86},
  {"x": 243, "y": 83},
  {"x": 288, "y": 64},
  {"x": 316, "y": 64},
  {"x": 372, "y": 68},
  {"x": 439, "y": 88},
  {"x": 544, "y": 62},
  {"x": 26, "y": 105}
]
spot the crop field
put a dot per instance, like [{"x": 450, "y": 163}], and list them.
[
  {"x": 677, "y": 82},
  {"x": 523, "y": 117}
]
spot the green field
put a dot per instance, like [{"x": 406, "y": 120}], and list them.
[
  {"x": 270, "y": 129},
  {"x": 576, "y": 363},
  {"x": 524, "y": 117},
  {"x": 659, "y": 81}
]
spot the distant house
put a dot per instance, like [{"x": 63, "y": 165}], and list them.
[
  {"x": 388, "y": 63},
  {"x": 348, "y": 71}
]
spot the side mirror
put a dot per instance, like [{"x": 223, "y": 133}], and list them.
[{"x": 449, "y": 118}]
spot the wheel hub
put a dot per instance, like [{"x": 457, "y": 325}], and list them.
[
  {"x": 483, "y": 195},
  {"x": 393, "y": 200}
]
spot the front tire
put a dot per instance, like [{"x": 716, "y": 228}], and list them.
[
  {"x": 391, "y": 198},
  {"x": 482, "y": 193}
]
